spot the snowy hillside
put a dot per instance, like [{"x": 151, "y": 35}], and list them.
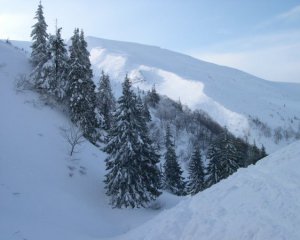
[
  {"x": 228, "y": 95},
  {"x": 250, "y": 107},
  {"x": 44, "y": 193},
  {"x": 260, "y": 202}
]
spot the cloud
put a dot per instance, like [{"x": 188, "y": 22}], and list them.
[
  {"x": 292, "y": 14},
  {"x": 286, "y": 19}
]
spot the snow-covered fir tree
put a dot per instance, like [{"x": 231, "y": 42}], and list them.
[
  {"x": 152, "y": 97},
  {"x": 106, "y": 102},
  {"x": 196, "y": 173},
  {"x": 81, "y": 91},
  {"x": 146, "y": 112},
  {"x": 40, "y": 49},
  {"x": 172, "y": 179},
  {"x": 263, "y": 152},
  {"x": 143, "y": 109},
  {"x": 224, "y": 158},
  {"x": 58, "y": 67},
  {"x": 253, "y": 153},
  {"x": 133, "y": 178}
]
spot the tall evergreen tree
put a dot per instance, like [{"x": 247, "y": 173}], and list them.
[
  {"x": 263, "y": 152},
  {"x": 81, "y": 91},
  {"x": 173, "y": 180},
  {"x": 196, "y": 173},
  {"x": 58, "y": 68},
  {"x": 106, "y": 103},
  {"x": 224, "y": 158},
  {"x": 40, "y": 53},
  {"x": 143, "y": 109},
  {"x": 133, "y": 176},
  {"x": 253, "y": 154},
  {"x": 153, "y": 97}
]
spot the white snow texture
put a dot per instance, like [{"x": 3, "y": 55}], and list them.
[{"x": 46, "y": 195}]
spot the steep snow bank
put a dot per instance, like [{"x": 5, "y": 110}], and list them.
[
  {"x": 44, "y": 193},
  {"x": 260, "y": 202}
]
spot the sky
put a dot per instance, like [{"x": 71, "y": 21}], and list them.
[{"x": 261, "y": 37}]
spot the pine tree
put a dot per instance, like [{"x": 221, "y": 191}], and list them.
[
  {"x": 146, "y": 112},
  {"x": 143, "y": 109},
  {"x": 173, "y": 180},
  {"x": 242, "y": 149},
  {"x": 133, "y": 178},
  {"x": 263, "y": 152},
  {"x": 40, "y": 52},
  {"x": 153, "y": 97},
  {"x": 106, "y": 103},
  {"x": 81, "y": 91},
  {"x": 224, "y": 158},
  {"x": 196, "y": 173},
  {"x": 58, "y": 69},
  {"x": 253, "y": 154}
]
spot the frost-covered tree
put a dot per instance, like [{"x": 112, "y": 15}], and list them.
[
  {"x": 196, "y": 173},
  {"x": 133, "y": 178},
  {"x": 146, "y": 112},
  {"x": 106, "y": 102},
  {"x": 58, "y": 67},
  {"x": 143, "y": 109},
  {"x": 153, "y": 98},
  {"x": 81, "y": 91},
  {"x": 40, "y": 53},
  {"x": 223, "y": 157},
  {"x": 172, "y": 180}
]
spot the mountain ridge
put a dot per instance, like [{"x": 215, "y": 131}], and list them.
[{"x": 235, "y": 99}]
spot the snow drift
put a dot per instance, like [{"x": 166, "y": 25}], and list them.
[{"x": 260, "y": 202}]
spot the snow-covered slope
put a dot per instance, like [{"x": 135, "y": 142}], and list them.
[
  {"x": 227, "y": 94},
  {"x": 44, "y": 193},
  {"x": 260, "y": 202}
]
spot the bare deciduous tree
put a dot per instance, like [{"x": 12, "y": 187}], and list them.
[{"x": 74, "y": 137}]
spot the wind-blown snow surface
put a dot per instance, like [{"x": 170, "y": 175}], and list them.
[
  {"x": 228, "y": 95},
  {"x": 260, "y": 202},
  {"x": 44, "y": 194}
]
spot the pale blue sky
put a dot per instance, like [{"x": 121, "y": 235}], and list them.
[{"x": 259, "y": 36}]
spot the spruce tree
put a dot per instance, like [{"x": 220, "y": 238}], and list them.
[
  {"x": 133, "y": 177},
  {"x": 81, "y": 90},
  {"x": 253, "y": 154},
  {"x": 196, "y": 173},
  {"x": 224, "y": 158},
  {"x": 153, "y": 97},
  {"x": 146, "y": 112},
  {"x": 40, "y": 50},
  {"x": 143, "y": 109},
  {"x": 173, "y": 180},
  {"x": 263, "y": 152},
  {"x": 106, "y": 103},
  {"x": 58, "y": 68}
]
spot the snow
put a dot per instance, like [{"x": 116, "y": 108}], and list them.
[
  {"x": 231, "y": 97},
  {"x": 260, "y": 202},
  {"x": 44, "y": 193},
  {"x": 228, "y": 95}
]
